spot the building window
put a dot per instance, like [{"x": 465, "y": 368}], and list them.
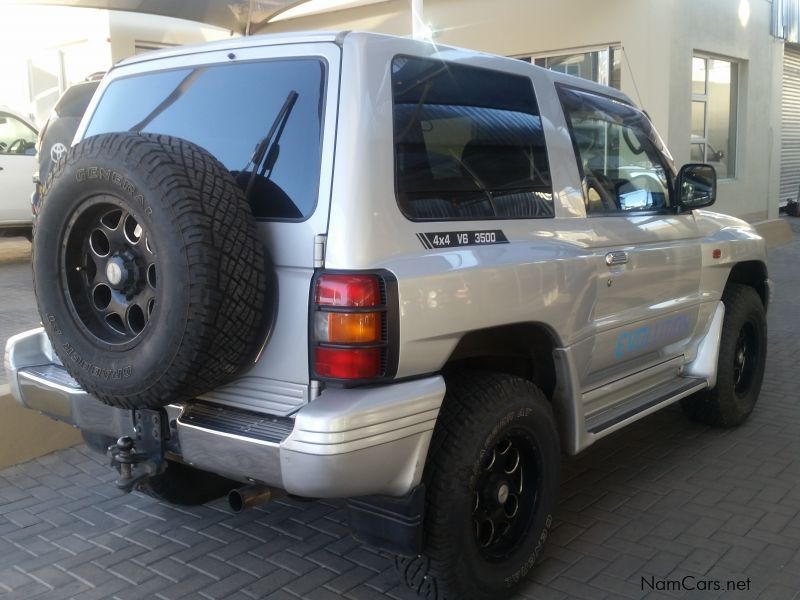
[
  {"x": 713, "y": 135},
  {"x": 601, "y": 65}
]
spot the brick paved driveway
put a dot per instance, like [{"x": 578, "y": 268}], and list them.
[{"x": 661, "y": 500}]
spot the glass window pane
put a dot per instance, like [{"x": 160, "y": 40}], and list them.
[
  {"x": 619, "y": 152},
  {"x": 698, "y": 75},
  {"x": 469, "y": 143},
  {"x": 582, "y": 64},
  {"x": 697, "y": 153},
  {"x": 15, "y": 136},
  {"x": 699, "y": 119},
  {"x": 721, "y": 117},
  {"x": 187, "y": 103},
  {"x": 616, "y": 68}
]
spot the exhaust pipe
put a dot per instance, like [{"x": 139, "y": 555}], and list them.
[{"x": 252, "y": 495}]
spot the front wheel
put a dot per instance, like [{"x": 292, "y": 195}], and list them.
[
  {"x": 492, "y": 481},
  {"x": 742, "y": 358}
]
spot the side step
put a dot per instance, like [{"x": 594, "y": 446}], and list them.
[{"x": 658, "y": 397}]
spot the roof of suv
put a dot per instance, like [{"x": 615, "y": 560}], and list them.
[
  {"x": 337, "y": 37},
  {"x": 234, "y": 43}
]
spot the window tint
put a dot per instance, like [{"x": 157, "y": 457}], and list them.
[
  {"x": 15, "y": 136},
  {"x": 622, "y": 159},
  {"x": 468, "y": 143},
  {"x": 228, "y": 109}
]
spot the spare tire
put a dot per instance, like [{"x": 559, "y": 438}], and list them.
[{"x": 148, "y": 270}]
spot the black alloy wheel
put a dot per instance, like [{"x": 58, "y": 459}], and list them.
[
  {"x": 505, "y": 495},
  {"x": 745, "y": 356},
  {"x": 110, "y": 271}
]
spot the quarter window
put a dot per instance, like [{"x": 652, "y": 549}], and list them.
[
  {"x": 713, "y": 133},
  {"x": 623, "y": 161},
  {"x": 468, "y": 143}
]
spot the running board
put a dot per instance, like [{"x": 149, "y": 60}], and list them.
[{"x": 658, "y": 397}]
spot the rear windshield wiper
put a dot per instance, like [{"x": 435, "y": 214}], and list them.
[{"x": 266, "y": 152}]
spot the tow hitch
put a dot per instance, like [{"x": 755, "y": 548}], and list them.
[{"x": 136, "y": 460}]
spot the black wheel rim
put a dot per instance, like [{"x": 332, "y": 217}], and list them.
[
  {"x": 505, "y": 495},
  {"x": 111, "y": 271},
  {"x": 745, "y": 357}
]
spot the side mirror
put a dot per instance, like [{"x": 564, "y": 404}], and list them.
[{"x": 695, "y": 186}]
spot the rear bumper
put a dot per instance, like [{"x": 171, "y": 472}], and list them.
[{"x": 347, "y": 442}]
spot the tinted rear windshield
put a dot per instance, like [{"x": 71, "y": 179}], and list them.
[
  {"x": 468, "y": 143},
  {"x": 228, "y": 109}
]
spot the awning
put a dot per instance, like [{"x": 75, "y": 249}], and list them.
[{"x": 241, "y": 16}]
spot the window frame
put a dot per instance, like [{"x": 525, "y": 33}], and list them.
[
  {"x": 733, "y": 115},
  {"x": 663, "y": 159},
  {"x": 396, "y": 174}
]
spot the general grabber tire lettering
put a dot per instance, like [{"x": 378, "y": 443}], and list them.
[
  {"x": 742, "y": 357},
  {"x": 492, "y": 480},
  {"x": 148, "y": 270}
]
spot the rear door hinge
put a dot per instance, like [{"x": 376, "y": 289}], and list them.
[{"x": 319, "y": 249}]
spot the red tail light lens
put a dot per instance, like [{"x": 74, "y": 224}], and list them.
[
  {"x": 347, "y": 363},
  {"x": 348, "y": 290},
  {"x": 348, "y": 325}
]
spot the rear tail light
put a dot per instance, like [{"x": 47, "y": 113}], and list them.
[{"x": 349, "y": 323}]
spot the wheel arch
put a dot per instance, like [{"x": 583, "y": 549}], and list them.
[
  {"x": 754, "y": 274},
  {"x": 531, "y": 351}
]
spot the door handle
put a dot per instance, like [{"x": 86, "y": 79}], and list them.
[{"x": 616, "y": 257}]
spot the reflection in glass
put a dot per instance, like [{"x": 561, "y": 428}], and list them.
[{"x": 698, "y": 75}]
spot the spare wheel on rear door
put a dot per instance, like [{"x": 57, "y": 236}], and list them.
[{"x": 148, "y": 270}]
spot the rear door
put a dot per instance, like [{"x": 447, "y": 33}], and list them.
[
  {"x": 648, "y": 258},
  {"x": 17, "y": 166},
  {"x": 227, "y": 101}
]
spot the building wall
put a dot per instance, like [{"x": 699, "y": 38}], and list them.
[
  {"x": 45, "y": 49},
  {"x": 718, "y": 27},
  {"x": 658, "y": 38},
  {"x": 127, "y": 30}
]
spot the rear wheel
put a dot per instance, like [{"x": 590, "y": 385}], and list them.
[
  {"x": 742, "y": 358},
  {"x": 492, "y": 481}
]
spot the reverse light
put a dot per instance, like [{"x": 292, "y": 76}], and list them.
[{"x": 349, "y": 325}]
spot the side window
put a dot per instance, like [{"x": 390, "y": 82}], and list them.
[
  {"x": 468, "y": 143},
  {"x": 16, "y": 137},
  {"x": 623, "y": 161}
]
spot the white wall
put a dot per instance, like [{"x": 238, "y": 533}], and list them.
[
  {"x": 128, "y": 28},
  {"x": 658, "y": 37},
  {"x": 37, "y": 35}
]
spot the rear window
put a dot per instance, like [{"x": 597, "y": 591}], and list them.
[
  {"x": 228, "y": 109},
  {"x": 468, "y": 143}
]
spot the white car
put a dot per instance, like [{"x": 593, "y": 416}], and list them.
[{"x": 17, "y": 165}]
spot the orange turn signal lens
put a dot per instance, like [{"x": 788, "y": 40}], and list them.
[{"x": 349, "y": 328}]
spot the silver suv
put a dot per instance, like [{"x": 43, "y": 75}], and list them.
[{"x": 358, "y": 266}]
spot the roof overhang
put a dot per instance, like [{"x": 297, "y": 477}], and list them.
[{"x": 241, "y": 16}]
